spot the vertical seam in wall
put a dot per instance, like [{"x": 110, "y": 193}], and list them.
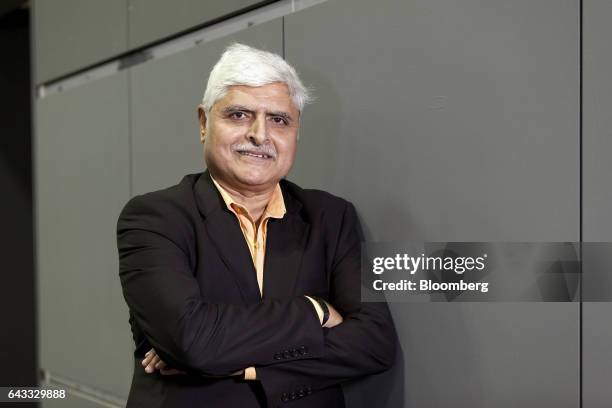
[
  {"x": 283, "y": 35},
  {"x": 580, "y": 180},
  {"x": 129, "y": 124},
  {"x": 129, "y": 104},
  {"x": 34, "y": 195},
  {"x": 127, "y": 24}
]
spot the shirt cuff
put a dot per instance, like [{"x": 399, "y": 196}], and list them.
[
  {"x": 317, "y": 308},
  {"x": 250, "y": 373}
]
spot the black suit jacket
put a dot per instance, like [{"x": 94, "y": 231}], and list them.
[{"x": 191, "y": 287}]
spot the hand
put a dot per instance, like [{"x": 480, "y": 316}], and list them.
[
  {"x": 152, "y": 362},
  {"x": 334, "y": 317}
]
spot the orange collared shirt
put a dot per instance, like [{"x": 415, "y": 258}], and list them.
[
  {"x": 255, "y": 236},
  {"x": 255, "y": 233}
]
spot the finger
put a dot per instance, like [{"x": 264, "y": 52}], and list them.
[
  {"x": 148, "y": 356},
  {"x": 160, "y": 365},
  {"x": 154, "y": 362},
  {"x": 147, "y": 360},
  {"x": 151, "y": 367}
]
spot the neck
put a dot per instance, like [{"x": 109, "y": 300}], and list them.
[{"x": 255, "y": 201}]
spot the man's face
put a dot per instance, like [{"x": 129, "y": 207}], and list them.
[{"x": 250, "y": 136}]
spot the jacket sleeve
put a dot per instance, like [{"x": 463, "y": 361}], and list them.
[
  {"x": 209, "y": 339},
  {"x": 364, "y": 343}
]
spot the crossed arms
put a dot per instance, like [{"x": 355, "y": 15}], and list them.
[{"x": 217, "y": 339}]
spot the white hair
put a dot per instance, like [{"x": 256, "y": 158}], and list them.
[{"x": 243, "y": 65}]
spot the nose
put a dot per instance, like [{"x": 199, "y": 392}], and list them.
[{"x": 257, "y": 133}]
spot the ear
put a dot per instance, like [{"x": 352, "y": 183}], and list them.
[{"x": 202, "y": 121}]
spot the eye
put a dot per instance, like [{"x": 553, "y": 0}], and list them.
[
  {"x": 279, "y": 120},
  {"x": 238, "y": 115}
]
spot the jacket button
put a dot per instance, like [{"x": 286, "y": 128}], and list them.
[
  {"x": 303, "y": 350},
  {"x": 294, "y": 353},
  {"x": 292, "y": 395},
  {"x": 301, "y": 393},
  {"x": 277, "y": 356},
  {"x": 284, "y": 397},
  {"x": 286, "y": 354},
  {"x": 308, "y": 390}
]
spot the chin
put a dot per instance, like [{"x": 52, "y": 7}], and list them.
[{"x": 254, "y": 180}]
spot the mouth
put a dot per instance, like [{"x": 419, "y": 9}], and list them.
[{"x": 262, "y": 156}]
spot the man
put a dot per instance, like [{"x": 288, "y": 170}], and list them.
[{"x": 243, "y": 288}]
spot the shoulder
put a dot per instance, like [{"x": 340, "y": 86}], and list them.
[
  {"x": 319, "y": 204},
  {"x": 313, "y": 198},
  {"x": 165, "y": 210},
  {"x": 333, "y": 219}
]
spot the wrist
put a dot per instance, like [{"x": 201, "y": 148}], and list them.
[{"x": 325, "y": 309}]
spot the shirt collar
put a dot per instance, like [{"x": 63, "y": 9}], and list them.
[{"x": 275, "y": 208}]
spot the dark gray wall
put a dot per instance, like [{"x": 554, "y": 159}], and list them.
[
  {"x": 72, "y": 34},
  {"x": 82, "y": 181},
  {"x": 75, "y": 34},
  {"x": 442, "y": 120},
  {"x": 446, "y": 120},
  {"x": 151, "y": 20}
]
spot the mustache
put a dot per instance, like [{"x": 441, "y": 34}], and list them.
[{"x": 266, "y": 150}]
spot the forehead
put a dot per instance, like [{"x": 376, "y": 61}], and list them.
[{"x": 274, "y": 96}]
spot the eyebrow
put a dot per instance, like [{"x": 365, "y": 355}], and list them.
[{"x": 236, "y": 108}]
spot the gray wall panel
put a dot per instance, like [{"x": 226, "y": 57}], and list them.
[
  {"x": 597, "y": 198},
  {"x": 165, "y": 95},
  {"x": 597, "y": 121},
  {"x": 82, "y": 182},
  {"x": 445, "y": 120},
  {"x": 596, "y": 359},
  {"x": 150, "y": 20},
  {"x": 71, "y": 34}
]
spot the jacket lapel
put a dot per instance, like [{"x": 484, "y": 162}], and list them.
[
  {"x": 285, "y": 245},
  {"x": 224, "y": 231}
]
